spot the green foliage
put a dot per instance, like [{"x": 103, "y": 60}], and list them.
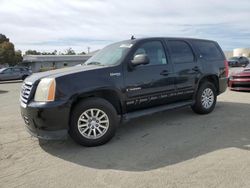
[
  {"x": 50, "y": 53},
  {"x": 8, "y": 55},
  {"x": 43, "y": 69},
  {"x": 32, "y": 52},
  {"x": 3, "y": 38},
  {"x": 18, "y": 56},
  {"x": 69, "y": 51},
  {"x": 82, "y": 53}
]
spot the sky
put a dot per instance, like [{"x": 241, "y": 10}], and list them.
[{"x": 47, "y": 25}]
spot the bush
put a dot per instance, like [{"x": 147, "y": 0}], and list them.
[{"x": 43, "y": 69}]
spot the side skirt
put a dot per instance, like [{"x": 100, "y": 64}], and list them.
[{"x": 153, "y": 110}]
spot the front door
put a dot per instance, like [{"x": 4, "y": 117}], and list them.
[
  {"x": 149, "y": 85},
  {"x": 7, "y": 74}
]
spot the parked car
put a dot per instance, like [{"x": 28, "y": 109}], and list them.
[
  {"x": 239, "y": 61},
  {"x": 14, "y": 73},
  {"x": 240, "y": 81},
  {"x": 124, "y": 80}
]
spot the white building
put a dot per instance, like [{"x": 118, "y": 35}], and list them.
[
  {"x": 39, "y": 63},
  {"x": 238, "y": 52}
]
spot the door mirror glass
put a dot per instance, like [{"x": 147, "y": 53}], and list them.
[{"x": 140, "y": 59}]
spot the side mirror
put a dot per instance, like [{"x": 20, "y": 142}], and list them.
[{"x": 140, "y": 59}]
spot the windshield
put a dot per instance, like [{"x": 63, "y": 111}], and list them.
[
  {"x": 234, "y": 58},
  {"x": 110, "y": 55}
]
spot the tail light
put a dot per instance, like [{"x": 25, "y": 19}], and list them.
[{"x": 226, "y": 68}]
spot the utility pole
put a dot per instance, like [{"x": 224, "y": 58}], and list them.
[{"x": 88, "y": 49}]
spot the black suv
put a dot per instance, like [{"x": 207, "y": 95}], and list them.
[{"x": 124, "y": 80}]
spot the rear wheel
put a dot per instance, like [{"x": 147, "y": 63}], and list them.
[
  {"x": 205, "y": 100},
  {"x": 93, "y": 122},
  {"x": 24, "y": 76}
]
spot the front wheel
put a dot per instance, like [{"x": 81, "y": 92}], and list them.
[
  {"x": 205, "y": 99},
  {"x": 93, "y": 122}
]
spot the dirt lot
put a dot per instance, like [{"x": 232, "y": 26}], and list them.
[{"x": 171, "y": 149}]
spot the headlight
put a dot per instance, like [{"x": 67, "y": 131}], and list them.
[{"x": 46, "y": 90}]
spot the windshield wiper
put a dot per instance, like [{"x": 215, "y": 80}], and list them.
[{"x": 94, "y": 63}]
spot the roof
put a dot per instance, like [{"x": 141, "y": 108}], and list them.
[
  {"x": 170, "y": 38},
  {"x": 55, "y": 58}
]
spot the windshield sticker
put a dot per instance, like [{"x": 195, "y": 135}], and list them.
[{"x": 126, "y": 45}]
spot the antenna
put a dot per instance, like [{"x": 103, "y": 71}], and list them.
[{"x": 132, "y": 37}]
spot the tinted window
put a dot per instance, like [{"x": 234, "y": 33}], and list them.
[
  {"x": 16, "y": 69},
  {"x": 22, "y": 69},
  {"x": 155, "y": 52},
  {"x": 7, "y": 71},
  {"x": 208, "y": 50},
  {"x": 180, "y": 52}
]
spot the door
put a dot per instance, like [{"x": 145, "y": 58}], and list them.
[
  {"x": 17, "y": 74},
  {"x": 185, "y": 67},
  {"x": 148, "y": 85},
  {"x": 7, "y": 74}
]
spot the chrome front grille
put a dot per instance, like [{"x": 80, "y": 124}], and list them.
[{"x": 25, "y": 92}]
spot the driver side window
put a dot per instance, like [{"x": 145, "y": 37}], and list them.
[{"x": 155, "y": 52}]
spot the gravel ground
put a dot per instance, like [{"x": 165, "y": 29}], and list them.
[{"x": 172, "y": 149}]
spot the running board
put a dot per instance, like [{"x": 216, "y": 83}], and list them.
[{"x": 153, "y": 110}]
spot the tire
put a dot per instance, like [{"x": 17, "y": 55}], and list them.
[
  {"x": 205, "y": 99},
  {"x": 93, "y": 122},
  {"x": 24, "y": 76}
]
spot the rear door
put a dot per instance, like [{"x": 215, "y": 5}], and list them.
[
  {"x": 186, "y": 68},
  {"x": 148, "y": 85},
  {"x": 211, "y": 57},
  {"x": 17, "y": 73}
]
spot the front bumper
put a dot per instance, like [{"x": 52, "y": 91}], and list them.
[
  {"x": 47, "y": 120},
  {"x": 239, "y": 84}
]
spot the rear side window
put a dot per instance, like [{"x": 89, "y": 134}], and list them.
[
  {"x": 208, "y": 50},
  {"x": 180, "y": 52}
]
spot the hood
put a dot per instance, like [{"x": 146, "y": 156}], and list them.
[
  {"x": 61, "y": 72},
  {"x": 245, "y": 72}
]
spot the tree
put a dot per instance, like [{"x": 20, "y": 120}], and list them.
[
  {"x": 50, "y": 53},
  {"x": 7, "y": 53},
  {"x": 32, "y": 52},
  {"x": 69, "y": 51},
  {"x": 54, "y": 52},
  {"x": 82, "y": 53},
  {"x": 18, "y": 57},
  {"x": 3, "y": 38}
]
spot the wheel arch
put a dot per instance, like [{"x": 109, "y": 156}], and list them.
[
  {"x": 110, "y": 95},
  {"x": 212, "y": 78}
]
